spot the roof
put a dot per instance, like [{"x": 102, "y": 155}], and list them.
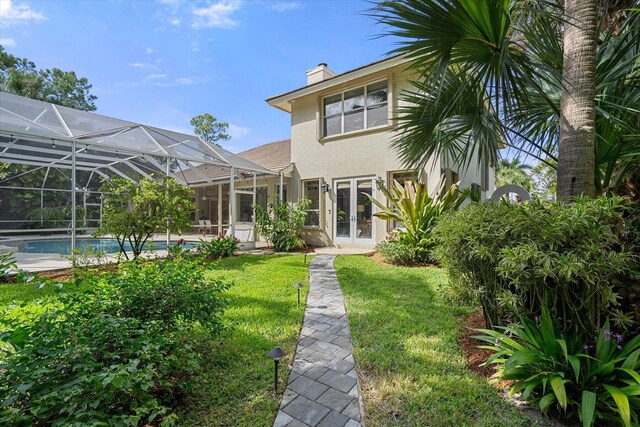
[
  {"x": 274, "y": 156},
  {"x": 281, "y": 101},
  {"x": 42, "y": 134}
]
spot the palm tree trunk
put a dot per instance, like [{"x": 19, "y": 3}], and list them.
[{"x": 576, "y": 155}]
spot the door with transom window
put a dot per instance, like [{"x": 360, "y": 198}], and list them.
[{"x": 353, "y": 211}]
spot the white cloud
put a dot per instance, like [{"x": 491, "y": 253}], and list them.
[
  {"x": 194, "y": 47},
  {"x": 283, "y": 6},
  {"x": 238, "y": 132},
  {"x": 13, "y": 13},
  {"x": 149, "y": 51},
  {"x": 175, "y": 22},
  {"x": 216, "y": 15},
  {"x": 156, "y": 77},
  {"x": 8, "y": 42}
]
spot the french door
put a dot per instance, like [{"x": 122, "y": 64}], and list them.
[{"x": 353, "y": 211}]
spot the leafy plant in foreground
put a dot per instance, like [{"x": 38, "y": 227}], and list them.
[
  {"x": 7, "y": 263},
  {"x": 567, "y": 375},
  {"x": 117, "y": 354}
]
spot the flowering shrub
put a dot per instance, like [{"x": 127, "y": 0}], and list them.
[
  {"x": 218, "y": 247},
  {"x": 567, "y": 375},
  {"x": 113, "y": 355}
]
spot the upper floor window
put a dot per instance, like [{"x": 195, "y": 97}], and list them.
[{"x": 356, "y": 109}]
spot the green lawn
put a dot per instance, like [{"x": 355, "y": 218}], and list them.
[
  {"x": 410, "y": 366},
  {"x": 236, "y": 388}
]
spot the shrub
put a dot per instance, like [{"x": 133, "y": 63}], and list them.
[
  {"x": 513, "y": 258},
  {"x": 411, "y": 205},
  {"x": 397, "y": 252},
  {"x": 281, "y": 223},
  {"x": 218, "y": 247},
  {"x": 565, "y": 374},
  {"x": 113, "y": 355}
]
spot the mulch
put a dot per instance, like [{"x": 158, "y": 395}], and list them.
[{"x": 475, "y": 356}]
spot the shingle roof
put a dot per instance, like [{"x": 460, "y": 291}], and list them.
[{"x": 274, "y": 156}]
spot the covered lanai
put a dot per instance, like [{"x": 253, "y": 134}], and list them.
[{"x": 61, "y": 150}]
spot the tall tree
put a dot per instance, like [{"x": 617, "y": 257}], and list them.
[
  {"x": 209, "y": 128},
  {"x": 514, "y": 172},
  {"x": 21, "y": 77},
  {"x": 576, "y": 155},
  {"x": 489, "y": 73}
]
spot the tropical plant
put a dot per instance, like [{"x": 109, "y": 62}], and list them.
[
  {"x": 413, "y": 206},
  {"x": 513, "y": 259},
  {"x": 133, "y": 212},
  {"x": 56, "y": 217},
  {"x": 514, "y": 172},
  {"x": 281, "y": 223},
  {"x": 564, "y": 373},
  {"x": 493, "y": 73},
  {"x": 7, "y": 264},
  {"x": 218, "y": 247}
]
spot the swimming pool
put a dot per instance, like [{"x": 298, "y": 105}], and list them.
[{"x": 63, "y": 246}]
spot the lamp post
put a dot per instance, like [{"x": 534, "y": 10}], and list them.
[
  {"x": 276, "y": 353},
  {"x": 298, "y": 286}
]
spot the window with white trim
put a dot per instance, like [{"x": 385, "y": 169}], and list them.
[
  {"x": 311, "y": 191},
  {"x": 355, "y": 109}
]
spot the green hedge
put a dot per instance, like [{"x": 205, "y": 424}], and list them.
[{"x": 513, "y": 259}]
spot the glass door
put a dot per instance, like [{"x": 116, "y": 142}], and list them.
[{"x": 354, "y": 211}]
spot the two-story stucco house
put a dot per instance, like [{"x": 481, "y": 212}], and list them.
[{"x": 341, "y": 131}]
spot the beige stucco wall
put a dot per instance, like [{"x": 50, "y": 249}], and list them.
[{"x": 360, "y": 154}]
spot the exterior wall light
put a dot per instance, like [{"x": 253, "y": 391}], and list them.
[{"x": 325, "y": 187}]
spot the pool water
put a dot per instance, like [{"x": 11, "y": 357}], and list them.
[{"x": 63, "y": 246}]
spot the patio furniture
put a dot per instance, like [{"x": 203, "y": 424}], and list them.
[{"x": 208, "y": 225}]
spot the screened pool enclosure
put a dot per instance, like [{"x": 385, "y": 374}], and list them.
[{"x": 54, "y": 159}]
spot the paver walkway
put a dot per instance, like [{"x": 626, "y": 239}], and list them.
[{"x": 323, "y": 385}]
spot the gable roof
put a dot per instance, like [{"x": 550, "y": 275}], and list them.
[{"x": 283, "y": 100}]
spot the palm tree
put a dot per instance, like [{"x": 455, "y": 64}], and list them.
[
  {"x": 513, "y": 171},
  {"x": 576, "y": 155},
  {"x": 490, "y": 73}
]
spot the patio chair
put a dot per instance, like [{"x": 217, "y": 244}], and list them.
[
  {"x": 244, "y": 233},
  {"x": 200, "y": 226},
  {"x": 208, "y": 225}
]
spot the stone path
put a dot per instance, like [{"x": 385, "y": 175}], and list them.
[{"x": 323, "y": 385}]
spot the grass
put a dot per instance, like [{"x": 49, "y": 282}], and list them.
[
  {"x": 411, "y": 369},
  {"x": 236, "y": 387}
]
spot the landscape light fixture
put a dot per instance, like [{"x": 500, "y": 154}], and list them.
[
  {"x": 276, "y": 353},
  {"x": 305, "y": 257},
  {"x": 298, "y": 286}
]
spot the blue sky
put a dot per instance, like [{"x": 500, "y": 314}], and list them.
[{"x": 162, "y": 62}]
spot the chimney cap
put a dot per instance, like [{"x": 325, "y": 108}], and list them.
[{"x": 322, "y": 64}]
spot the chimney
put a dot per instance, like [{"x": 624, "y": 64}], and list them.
[{"x": 319, "y": 73}]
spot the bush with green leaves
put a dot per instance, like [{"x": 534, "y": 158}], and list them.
[
  {"x": 566, "y": 375},
  {"x": 117, "y": 354},
  {"x": 418, "y": 211},
  {"x": 512, "y": 258},
  {"x": 281, "y": 223},
  {"x": 218, "y": 247}
]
